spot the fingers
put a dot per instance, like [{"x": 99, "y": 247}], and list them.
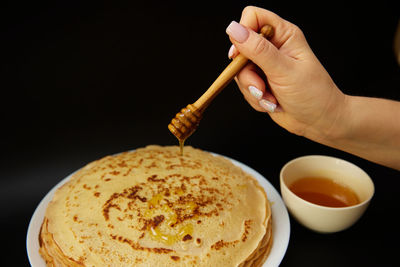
[
  {"x": 255, "y": 17},
  {"x": 254, "y": 89},
  {"x": 249, "y": 98},
  {"x": 288, "y": 38},
  {"x": 279, "y": 58},
  {"x": 258, "y": 49},
  {"x": 275, "y": 56}
]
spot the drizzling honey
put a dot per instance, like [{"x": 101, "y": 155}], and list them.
[
  {"x": 186, "y": 121},
  {"x": 324, "y": 192},
  {"x": 184, "y": 124},
  {"x": 181, "y": 145}
]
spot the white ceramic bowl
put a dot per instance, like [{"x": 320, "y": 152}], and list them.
[{"x": 321, "y": 218}]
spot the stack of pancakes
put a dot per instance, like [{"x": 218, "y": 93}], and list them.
[{"x": 154, "y": 207}]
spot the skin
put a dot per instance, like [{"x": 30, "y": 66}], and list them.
[{"x": 309, "y": 103}]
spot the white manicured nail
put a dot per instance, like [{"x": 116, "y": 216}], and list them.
[
  {"x": 268, "y": 106},
  {"x": 254, "y": 91},
  {"x": 231, "y": 51}
]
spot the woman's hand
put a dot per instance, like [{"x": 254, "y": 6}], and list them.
[{"x": 285, "y": 79}]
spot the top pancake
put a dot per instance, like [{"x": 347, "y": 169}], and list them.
[{"x": 152, "y": 207}]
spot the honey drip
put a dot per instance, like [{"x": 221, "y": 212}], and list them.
[
  {"x": 181, "y": 145},
  {"x": 157, "y": 235},
  {"x": 170, "y": 218},
  {"x": 184, "y": 124}
]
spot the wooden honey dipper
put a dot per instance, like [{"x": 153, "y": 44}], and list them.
[{"x": 187, "y": 120}]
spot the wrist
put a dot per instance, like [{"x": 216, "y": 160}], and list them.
[{"x": 335, "y": 123}]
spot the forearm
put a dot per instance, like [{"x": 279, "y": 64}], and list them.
[{"x": 369, "y": 128}]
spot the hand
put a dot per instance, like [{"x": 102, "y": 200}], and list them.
[{"x": 285, "y": 79}]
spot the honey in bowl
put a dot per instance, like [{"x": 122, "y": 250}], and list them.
[{"x": 324, "y": 192}]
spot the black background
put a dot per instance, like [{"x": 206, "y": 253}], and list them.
[{"x": 81, "y": 81}]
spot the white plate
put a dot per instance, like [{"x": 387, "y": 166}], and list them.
[{"x": 280, "y": 222}]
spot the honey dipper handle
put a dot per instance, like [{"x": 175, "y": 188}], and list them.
[{"x": 227, "y": 75}]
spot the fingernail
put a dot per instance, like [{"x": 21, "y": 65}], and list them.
[
  {"x": 268, "y": 106},
  {"x": 237, "y": 32},
  {"x": 254, "y": 91},
  {"x": 231, "y": 51}
]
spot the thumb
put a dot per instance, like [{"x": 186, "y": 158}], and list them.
[{"x": 258, "y": 49}]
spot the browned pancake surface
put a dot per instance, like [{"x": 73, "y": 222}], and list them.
[{"x": 152, "y": 207}]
